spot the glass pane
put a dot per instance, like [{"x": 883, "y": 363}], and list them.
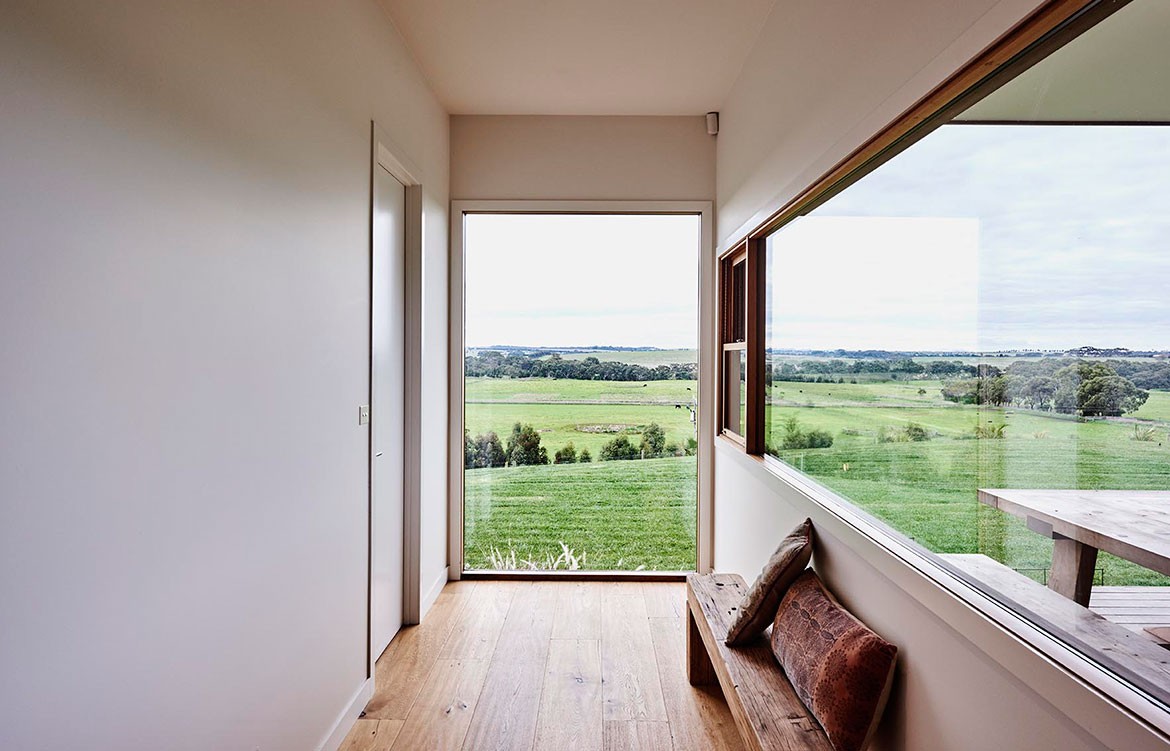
[
  {"x": 738, "y": 302},
  {"x": 987, "y": 310},
  {"x": 978, "y": 332},
  {"x": 580, "y": 392},
  {"x": 735, "y": 386}
]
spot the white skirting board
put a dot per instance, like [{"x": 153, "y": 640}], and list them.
[
  {"x": 433, "y": 592},
  {"x": 348, "y": 717}
]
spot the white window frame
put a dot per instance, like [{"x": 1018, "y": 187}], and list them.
[{"x": 705, "y": 453}]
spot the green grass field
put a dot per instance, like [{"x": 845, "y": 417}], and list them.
[
  {"x": 927, "y": 489},
  {"x": 641, "y": 513},
  {"x": 596, "y": 412},
  {"x": 618, "y": 515}
]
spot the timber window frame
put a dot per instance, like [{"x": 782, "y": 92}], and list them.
[
  {"x": 741, "y": 347},
  {"x": 1034, "y": 38}
]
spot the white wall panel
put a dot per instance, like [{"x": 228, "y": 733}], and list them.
[{"x": 184, "y": 227}]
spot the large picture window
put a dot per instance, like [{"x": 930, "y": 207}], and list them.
[
  {"x": 971, "y": 343},
  {"x": 580, "y": 386}
]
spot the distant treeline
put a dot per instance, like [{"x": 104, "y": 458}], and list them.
[
  {"x": 885, "y": 354},
  {"x": 1069, "y": 386},
  {"x": 496, "y": 364},
  {"x": 1142, "y": 373}
]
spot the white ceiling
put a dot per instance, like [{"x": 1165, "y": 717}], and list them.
[{"x": 580, "y": 57}]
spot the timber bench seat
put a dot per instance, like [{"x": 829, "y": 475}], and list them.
[
  {"x": 1146, "y": 663},
  {"x": 767, "y": 711}
]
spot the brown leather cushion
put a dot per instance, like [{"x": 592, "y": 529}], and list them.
[
  {"x": 840, "y": 669},
  {"x": 759, "y": 604}
]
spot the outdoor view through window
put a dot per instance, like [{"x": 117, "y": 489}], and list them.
[
  {"x": 580, "y": 391},
  {"x": 972, "y": 342}
]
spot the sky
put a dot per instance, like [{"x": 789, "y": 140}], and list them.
[
  {"x": 984, "y": 238},
  {"x": 977, "y": 238},
  {"x": 581, "y": 280}
]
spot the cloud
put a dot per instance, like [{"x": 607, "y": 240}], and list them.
[
  {"x": 1073, "y": 234},
  {"x": 581, "y": 280}
]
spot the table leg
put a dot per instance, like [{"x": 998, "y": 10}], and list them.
[{"x": 1072, "y": 569}]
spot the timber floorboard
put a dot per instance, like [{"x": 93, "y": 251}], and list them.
[{"x": 544, "y": 665}]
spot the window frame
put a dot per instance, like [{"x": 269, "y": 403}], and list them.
[
  {"x": 706, "y": 393},
  {"x": 1034, "y": 38},
  {"x": 748, "y": 255}
]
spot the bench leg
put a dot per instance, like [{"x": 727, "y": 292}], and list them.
[{"x": 700, "y": 671}]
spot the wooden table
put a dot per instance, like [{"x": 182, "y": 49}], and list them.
[{"x": 1130, "y": 524}]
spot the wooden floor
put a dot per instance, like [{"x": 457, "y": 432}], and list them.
[{"x": 544, "y": 665}]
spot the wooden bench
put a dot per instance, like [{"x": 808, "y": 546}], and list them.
[
  {"x": 1140, "y": 658},
  {"x": 767, "y": 711}
]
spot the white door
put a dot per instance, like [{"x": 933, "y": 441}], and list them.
[{"x": 387, "y": 330}]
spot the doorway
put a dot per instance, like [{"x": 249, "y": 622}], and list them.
[
  {"x": 396, "y": 220},
  {"x": 387, "y": 408}
]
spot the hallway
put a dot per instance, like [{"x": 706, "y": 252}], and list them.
[{"x": 544, "y": 665}]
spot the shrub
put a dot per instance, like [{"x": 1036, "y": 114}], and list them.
[
  {"x": 915, "y": 432},
  {"x": 524, "y": 446},
  {"x": 584, "y": 457},
  {"x": 818, "y": 439},
  {"x": 620, "y": 448},
  {"x": 796, "y": 438},
  {"x": 1144, "y": 433},
  {"x": 485, "y": 450},
  {"x": 567, "y": 455},
  {"x": 990, "y": 431},
  {"x": 653, "y": 441}
]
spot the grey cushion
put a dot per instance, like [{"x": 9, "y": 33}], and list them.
[{"x": 763, "y": 598}]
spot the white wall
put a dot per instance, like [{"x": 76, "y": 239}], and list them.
[
  {"x": 581, "y": 158},
  {"x": 822, "y": 78},
  {"x": 825, "y": 76},
  {"x": 184, "y": 212}
]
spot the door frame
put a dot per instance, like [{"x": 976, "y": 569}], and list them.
[
  {"x": 388, "y": 155},
  {"x": 705, "y": 454}
]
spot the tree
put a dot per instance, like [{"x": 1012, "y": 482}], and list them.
[
  {"x": 489, "y": 450},
  {"x": 1095, "y": 388},
  {"x": 584, "y": 457},
  {"x": 1109, "y": 395},
  {"x": 567, "y": 455},
  {"x": 484, "y": 450},
  {"x": 1038, "y": 392},
  {"x": 619, "y": 448},
  {"x": 653, "y": 441},
  {"x": 524, "y": 446}
]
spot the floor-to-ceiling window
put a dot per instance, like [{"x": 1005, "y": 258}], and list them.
[{"x": 580, "y": 386}]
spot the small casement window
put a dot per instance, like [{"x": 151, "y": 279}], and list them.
[{"x": 741, "y": 324}]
